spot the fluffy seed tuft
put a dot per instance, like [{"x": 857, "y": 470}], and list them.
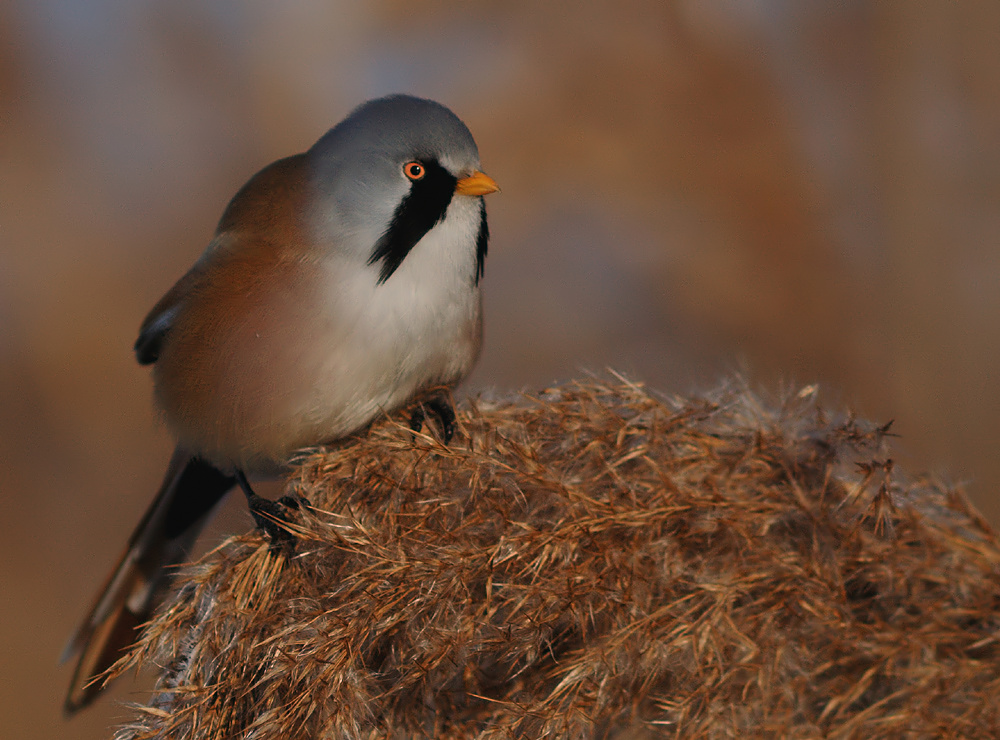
[{"x": 595, "y": 561}]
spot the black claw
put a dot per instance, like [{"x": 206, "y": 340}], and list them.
[
  {"x": 293, "y": 502},
  {"x": 417, "y": 418},
  {"x": 441, "y": 409},
  {"x": 268, "y": 514}
]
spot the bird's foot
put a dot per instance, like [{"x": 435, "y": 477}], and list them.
[
  {"x": 270, "y": 516},
  {"x": 441, "y": 409}
]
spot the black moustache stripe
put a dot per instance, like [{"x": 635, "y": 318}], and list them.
[
  {"x": 482, "y": 241},
  {"x": 419, "y": 211}
]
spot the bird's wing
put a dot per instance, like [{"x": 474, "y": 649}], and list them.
[
  {"x": 265, "y": 211},
  {"x": 156, "y": 325}
]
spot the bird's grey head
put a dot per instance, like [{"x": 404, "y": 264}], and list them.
[{"x": 372, "y": 200}]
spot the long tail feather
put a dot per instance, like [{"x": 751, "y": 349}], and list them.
[{"x": 190, "y": 490}]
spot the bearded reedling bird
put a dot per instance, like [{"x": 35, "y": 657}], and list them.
[{"x": 341, "y": 284}]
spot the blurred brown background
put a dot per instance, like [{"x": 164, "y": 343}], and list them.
[{"x": 808, "y": 191}]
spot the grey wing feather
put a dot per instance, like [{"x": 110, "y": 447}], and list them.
[{"x": 151, "y": 335}]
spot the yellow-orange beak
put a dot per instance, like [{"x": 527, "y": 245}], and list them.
[{"x": 476, "y": 184}]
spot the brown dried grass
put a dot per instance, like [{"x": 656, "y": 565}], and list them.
[{"x": 595, "y": 561}]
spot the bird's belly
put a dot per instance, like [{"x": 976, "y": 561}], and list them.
[
  {"x": 390, "y": 356},
  {"x": 285, "y": 377}
]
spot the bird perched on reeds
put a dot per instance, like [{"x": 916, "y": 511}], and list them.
[{"x": 341, "y": 283}]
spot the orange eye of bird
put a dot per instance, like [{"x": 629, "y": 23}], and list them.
[{"x": 413, "y": 170}]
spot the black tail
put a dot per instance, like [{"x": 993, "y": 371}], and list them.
[{"x": 191, "y": 488}]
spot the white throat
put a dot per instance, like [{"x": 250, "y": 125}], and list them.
[{"x": 421, "y": 327}]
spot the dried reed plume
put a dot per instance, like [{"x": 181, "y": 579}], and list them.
[{"x": 594, "y": 562}]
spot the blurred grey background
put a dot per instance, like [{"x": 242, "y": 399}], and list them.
[{"x": 807, "y": 191}]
